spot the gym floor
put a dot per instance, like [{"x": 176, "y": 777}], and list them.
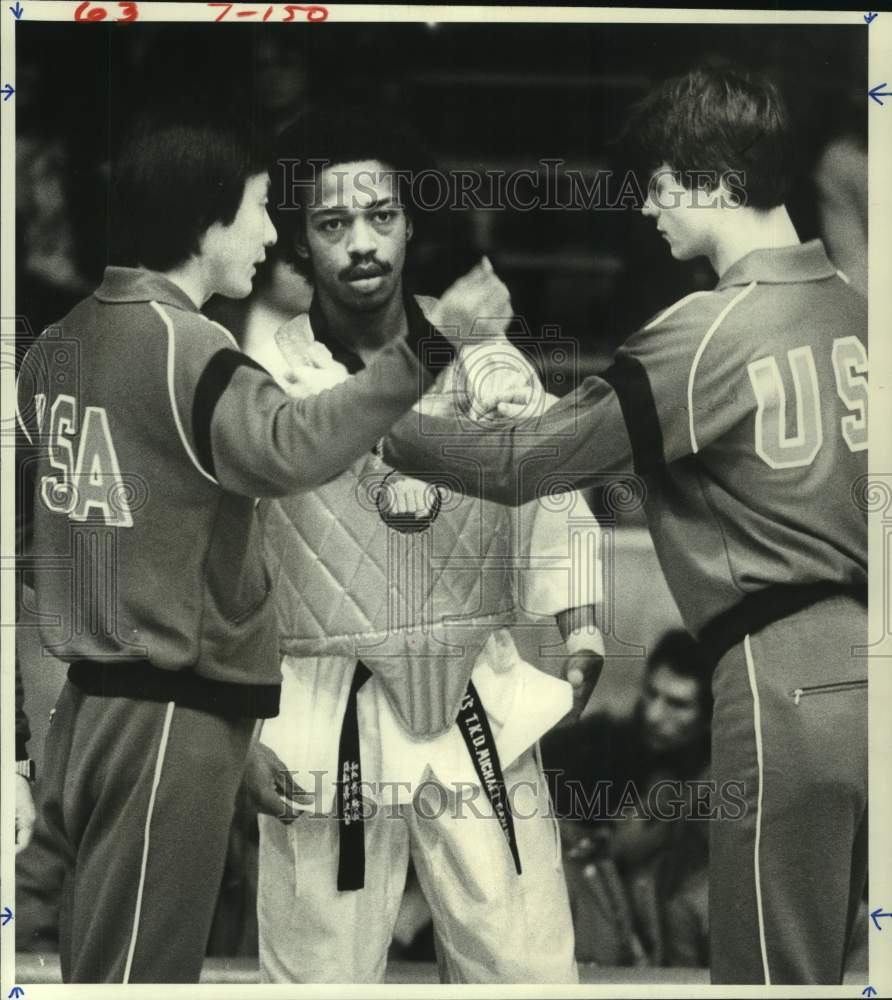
[{"x": 34, "y": 968}]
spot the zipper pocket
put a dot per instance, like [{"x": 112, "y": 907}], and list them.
[{"x": 826, "y": 689}]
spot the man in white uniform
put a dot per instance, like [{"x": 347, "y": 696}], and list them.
[{"x": 406, "y": 709}]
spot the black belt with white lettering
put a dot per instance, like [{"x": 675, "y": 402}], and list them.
[
  {"x": 351, "y": 839},
  {"x": 475, "y": 730},
  {"x": 474, "y": 726}
]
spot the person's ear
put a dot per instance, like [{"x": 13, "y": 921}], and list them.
[
  {"x": 409, "y": 229},
  {"x": 207, "y": 237}
]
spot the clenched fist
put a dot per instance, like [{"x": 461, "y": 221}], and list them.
[
  {"x": 312, "y": 368},
  {"x": 585, "y": 655},
  {"x": 477, "y": 305},
  {"x": 494, "y": 373}
]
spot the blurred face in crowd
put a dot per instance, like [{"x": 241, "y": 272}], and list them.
[
  {"x": 686, "y": 218},
  {"x": 670, "y": 709},
  {"x": 230, "y": 254},
  {"x": 281, "y": 74},
  {"x": 356, "y": 235}
]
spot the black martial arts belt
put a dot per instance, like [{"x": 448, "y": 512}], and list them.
[
  {"x": 351, "y": 835},
  {"x": 474, "y": 726},
  {"x": 475, "y": 730}
]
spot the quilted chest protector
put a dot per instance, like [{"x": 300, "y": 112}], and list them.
[{"x": 414, "y": 599}]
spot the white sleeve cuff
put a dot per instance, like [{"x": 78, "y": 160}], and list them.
[{"x": 585, "y": 640}]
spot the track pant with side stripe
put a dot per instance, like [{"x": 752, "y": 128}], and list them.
[
  {"x": 790, "y": 721},
  {"x": 139, "y": 801}
]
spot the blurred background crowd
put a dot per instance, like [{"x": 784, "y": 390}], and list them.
[{"x": 483, "y": 97}]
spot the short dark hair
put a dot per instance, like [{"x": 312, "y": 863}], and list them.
[
  {"x": 324, "y": 137},
  {"x": 677, "y": 650},
  {"x": 180, "y": 171},
  {"x": 715, "y": 122}
]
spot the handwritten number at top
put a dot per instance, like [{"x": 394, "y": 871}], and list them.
[
  {"x": 312, "y": 13},
  {"x": 86, "y": 12},
  {"x": 129, "y": 11}
]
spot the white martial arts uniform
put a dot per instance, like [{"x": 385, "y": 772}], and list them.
[{"x": 425, "y": 800}]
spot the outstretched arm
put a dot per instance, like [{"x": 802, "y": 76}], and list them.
[
  {"x": 582, "y": 435},
  {"x": 677, "y": 385},
  {"x": 261, "y": 442}
]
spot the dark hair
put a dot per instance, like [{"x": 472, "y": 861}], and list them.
[
  {"x": 715, "y": 122},
  {"x": 324, "y": 137},
  {"x": 678, "y": 651},
  {"x": 180, "y": 171}
]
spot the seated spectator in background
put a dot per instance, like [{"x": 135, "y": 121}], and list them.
[{"x": 638, "y": 882}]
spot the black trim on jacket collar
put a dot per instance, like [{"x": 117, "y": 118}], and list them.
[{"x": 419, "y": 328}]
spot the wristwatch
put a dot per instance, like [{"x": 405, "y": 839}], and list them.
[{"x": 25, "y": 768}]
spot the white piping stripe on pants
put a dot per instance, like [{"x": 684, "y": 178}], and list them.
[
  {"x": 757, "y": 726},
  {"x": 156, "y": 780}
]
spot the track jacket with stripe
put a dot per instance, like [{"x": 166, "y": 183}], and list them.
[
  {"x": 744, "y": 412},
  {"x": 152, "y": 435}
]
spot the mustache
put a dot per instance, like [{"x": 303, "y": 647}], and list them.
[{"x": 366, "y": 269}]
